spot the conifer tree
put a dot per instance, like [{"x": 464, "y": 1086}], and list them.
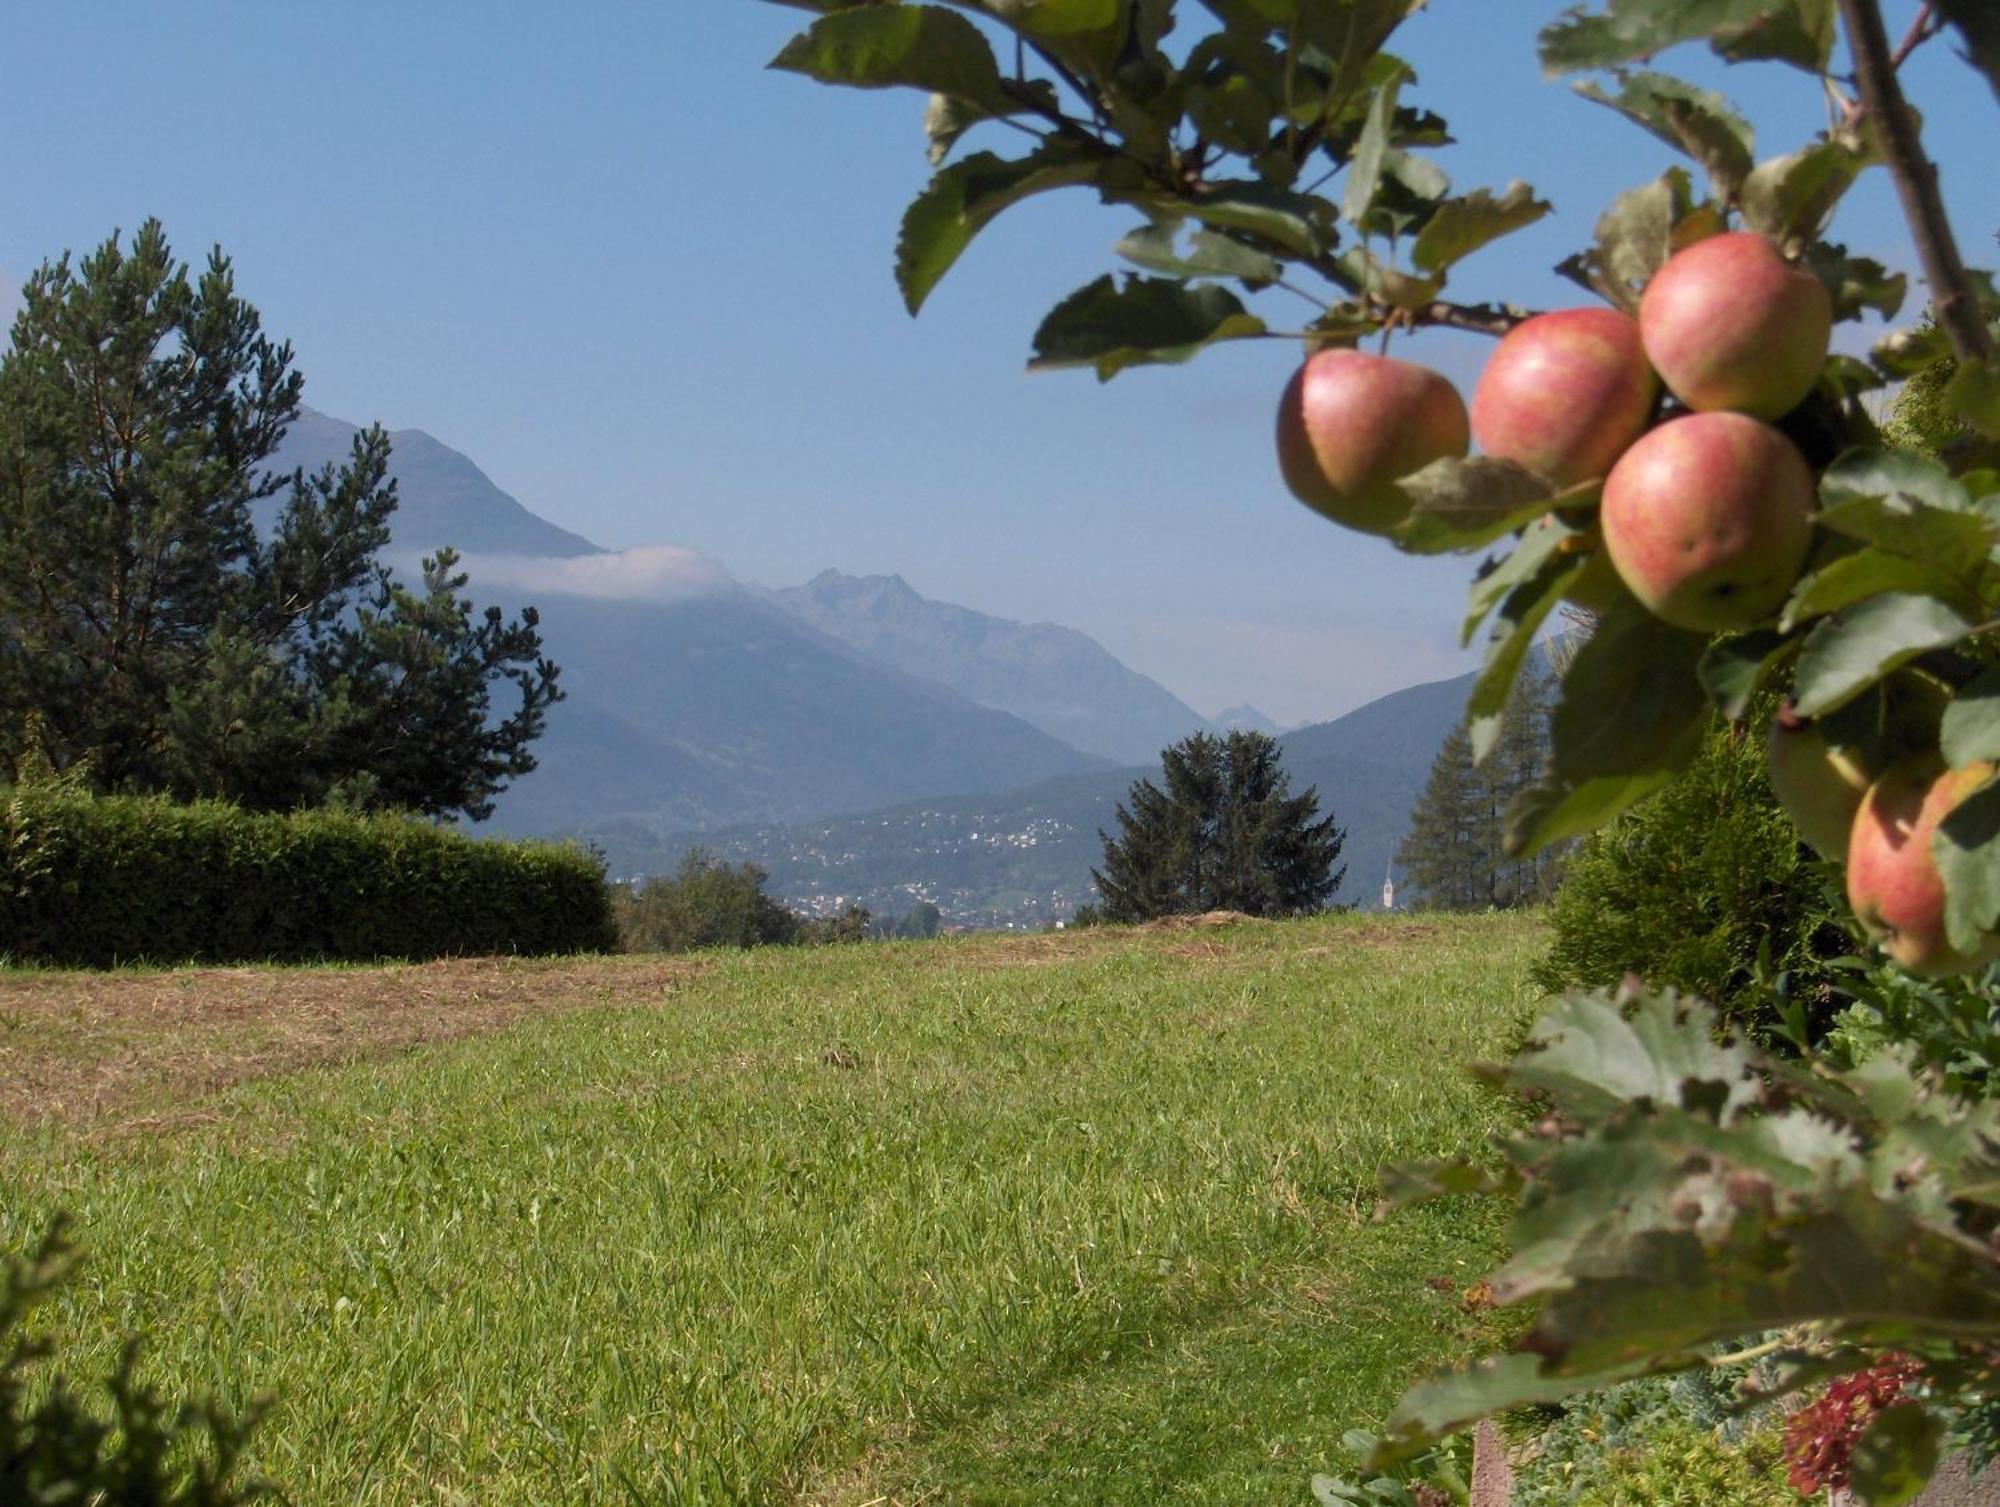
[
  {"x": 176, "y": 617},
  {"x": 1225, "y": 833}
]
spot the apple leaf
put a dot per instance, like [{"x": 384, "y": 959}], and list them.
[
  {"x": 1846, "y": 654},
  {"x": 1364, "y": 169},
  {"x": 1735, "y": 668},
  {"x": 1857, "y": 283},
  {"x": 1799, "y": 32},
  {"x": 1971, "y": 729},
  {"x": 1629, "y": 719},
  {"x": 1300, "y": 223},
  {"x": 1521, "y": 617},
  {"x": 1900, "y": 474},
  {"x": 1967, "y": 849},
  {"x": 1629, "y": 30},
  {"x": 1789, "y": 198},
  {"x": 1148, "y": 319},
  {"x": 1459, "y": 227},
  {"x": 1062, "y": 18},
  {"x": 1904, "y": 353},
  {"x": 1698, "y": 122},
  {"x": 962, "y": 199},
  {"x": 1974, "y": 395},
  {"x": 1855, "y": 578},
  {"x": 1896, "y": 1455},
  {"x": 1541, "y": 553},
  {"x": 1443, "y": 1404},
  {"x": 883, "y": 46},
  {"x": 1978, "y": 24},
  {"x": 1635, "y": 236},
  {"x": 1209, "y": 253},
  {"x": 1465, "y": 504}
]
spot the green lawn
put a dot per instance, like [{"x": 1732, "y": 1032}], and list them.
[{"x": 1068, "y": 1219}]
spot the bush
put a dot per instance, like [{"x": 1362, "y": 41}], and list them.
[
  {"x": 99, "y": 882},
  {"x": 707, "y": 902},
  {"x": 1704, "y": 888},
  {"x": 144, "y": 1454}
]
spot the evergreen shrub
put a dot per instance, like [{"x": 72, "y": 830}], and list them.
[
  {"x": 1704, "y": 888},
  {"x": 97, "y": 882}
]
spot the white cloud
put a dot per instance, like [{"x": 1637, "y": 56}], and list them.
[{"x": 644, "y": 573}]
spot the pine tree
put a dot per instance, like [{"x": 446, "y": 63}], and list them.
[
  {"x": 1225, "y": 833},
  {"x": 176, "y": 617},
  {"x": 1454, "y": 856}
]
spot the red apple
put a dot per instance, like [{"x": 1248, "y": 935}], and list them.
[
  {"x": 1708, "y": 519},
  {"x": 1351, "y": 425},
  {"x": 1819, "y": 783},
  {"x": 1565, "y": 393},
  {"x": 1893, "y": 882},
  {"x": 1730, "y": 324}
]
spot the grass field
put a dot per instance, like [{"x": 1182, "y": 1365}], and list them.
[{"x": 1067, "y": 1219}]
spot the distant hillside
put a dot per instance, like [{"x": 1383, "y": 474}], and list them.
[
  {"x": 443, "y": 498},
  {"x": 1058, "y": 679},
  {"x": 714, "y": 707},
  {"x": 1023, "y": 857},
  {"x": 1245, "y": 718}
]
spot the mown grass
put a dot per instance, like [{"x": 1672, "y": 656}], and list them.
[{"x": 988, "y": 1220}]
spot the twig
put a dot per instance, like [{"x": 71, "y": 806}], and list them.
[
  {"x": 1952, "y": 294},
  {"x": 1926, "y": 26}
]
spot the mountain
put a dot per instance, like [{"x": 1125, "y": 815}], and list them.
[
  {"x": 442, "y": 497},
  {"x": 1057, "y": 679},
  {"x": 1245, "y": 719},
  {"x": 1023, "y": 857},
  {"x": 687, "y": 707}
]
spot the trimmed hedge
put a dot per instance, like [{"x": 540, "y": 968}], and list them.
[{"x": 102, "y": 881}]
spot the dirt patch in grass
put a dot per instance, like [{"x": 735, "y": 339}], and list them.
[{"x": 119, "y": 1051}]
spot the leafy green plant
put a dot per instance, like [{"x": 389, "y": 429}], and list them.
[
  {"x": 1706, "y": 889},
  {"x": 123, "y": 879},
  {"x": 708, "y": 902},
  {"x": 144, "y": 1453}
]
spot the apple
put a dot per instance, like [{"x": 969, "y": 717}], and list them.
[
  {"x": 1819, "y": 783},
  {"x": 1564, "y": 393},
  {"x": 1729, "y": 324},
  {"x": 1352, "y": 425},
  {"x": 1893, "y": 883},
  {"x": 1708, "y": 519}
]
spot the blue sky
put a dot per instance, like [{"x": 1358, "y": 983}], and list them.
[{"x": 645, "y": 284}]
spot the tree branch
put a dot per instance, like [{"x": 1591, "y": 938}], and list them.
[
  {"x": 1927, "y": 25},
  {"x": 1952, "y": 294}
]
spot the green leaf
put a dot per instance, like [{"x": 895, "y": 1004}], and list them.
[
  {"x": 1789, "y": 198},
  {"x": 1442, "y": 1405},
  {"x": 1967, "y": 850},
  {"x": 1799, "y": 32},
  {"x": 1300, "y": 223},
  {"x": 1855, "y": 578},
  {"x": 1635, "y": 236},
  {"x": 1974, "y": 395},
  {"x": 1846, "y": 654},
  {"x": 1978, "y": 22},
  {"x": 1972, "y": 722},
  {"x": 1734, "y": 668},
  {"x": 1629, "y": 30},
  {"x": 1209, "y": 253},
  {"x": 1364, "y": 170},
  {"x": 1464, "y": 504},
  {"x": 1592, "y": 1057},
  {"x": 884, "y": 46},
  {"x": 1537, "y": 555},
  {"x": 1857, "y": 283},
  {"x": 1696, "y": 121},
  {"x": 1629, "y": 719},
  {"x": 1059, "y": 18},
  {"x": 1875, "y": 474},
  {"x": 1461, "y": 226},
  {"x": 1148, "y": 319},
  {"x": 961, "y": 200},
  {"x": 1904, "y": 353},
  {"x": 1521, "y": 617},
  {"x": 1896, "y": 1455}
]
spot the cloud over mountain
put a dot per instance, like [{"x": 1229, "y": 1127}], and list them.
[{"x": 644, "y": 573}]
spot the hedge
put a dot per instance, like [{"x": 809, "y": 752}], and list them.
[{"x": 103, "y": 881}]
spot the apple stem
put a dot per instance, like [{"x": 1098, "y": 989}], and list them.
[{"x": 1952, "y": 295}]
